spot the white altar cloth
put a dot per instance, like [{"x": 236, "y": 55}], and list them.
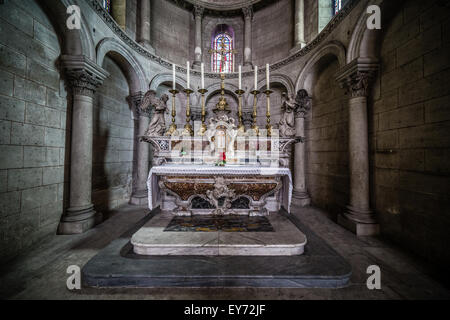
[{"x": 154, "y": 192}]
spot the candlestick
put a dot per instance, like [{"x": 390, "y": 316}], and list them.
[
  {"x": 256, "y": 78},
  {"x": 267, "y": 77},
  {"x": 255, "y": 111},
  {"x": 173, "y": 127},
  {"x": 173, "y": 77},
  {"x": 241, "y": 127},
  {"x": 188, "y": 75},
  {"x": 203, "y": 127},
  {"x": 202, "y": 68},
  {"x": 240, "y": 77},
  {"x": 187, "y": 127},
  {"x": 268, "y": 125}
]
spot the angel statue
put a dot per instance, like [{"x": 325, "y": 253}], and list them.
[
  {"x": 157, "y": 126},
  {"x": 287, "y": 121}
]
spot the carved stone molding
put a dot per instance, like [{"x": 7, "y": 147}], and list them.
[
  {"x": 303, "y": 103},
  {"x": 135, "y": 101},
  {"x": 248, "y": 12},
  {"x": 83, "y": 75},
  {"x": 357, "y": 76}
]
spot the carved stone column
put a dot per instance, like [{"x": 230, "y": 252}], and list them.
[
  {"x": 299, "y": 27},
  {"x": 248, "y": 17},
  {"x": 303, "y": 105},
  {"x": 139, "y": 194},
  {"x": 84, "y": 77},
  {"x": 356, "y": 77},
  {"x": 198, "y": 15},
  {"x": 145, "y": 24}
]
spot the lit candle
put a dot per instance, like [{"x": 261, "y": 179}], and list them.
[
  {"x": 188, "y": 75},
  {"x": 256, "y": 77},
  {"x": 173, "y": 76},
  {"x": 240, "y": 77},
  {"x": 267, "y": 76},
  {"x": 202, "y": 67}
]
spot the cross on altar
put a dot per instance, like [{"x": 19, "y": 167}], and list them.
[{"x": 222, "y": 51}]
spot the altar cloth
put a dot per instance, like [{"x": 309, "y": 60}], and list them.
[{"x": 154, "y": 192}]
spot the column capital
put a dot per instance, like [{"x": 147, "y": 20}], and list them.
[
  {"x": 302, "y": 103},
  {"x": 248, "y": 12},
  {"x": 198, "y": 11},
  {"x": 357, "y": 76},
  {"x": 135, "y": 101},
  {"x": 83, "y": 75}
]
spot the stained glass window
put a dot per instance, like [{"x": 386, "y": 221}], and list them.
[
  {"x": 107, "y": 5},
  {"x": 222, "y": 58},
  {"x": 337, "y": 5}
]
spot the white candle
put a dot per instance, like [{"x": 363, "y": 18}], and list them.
[
  {"x": 240, "y": 77},
  {"x": 188, "y": 76},
  {"x": 202, "y": 67},
  {"x": 256, "y": 77},
  {"x": 173, "y": 76},
  {"x": 267, "y": 76}
]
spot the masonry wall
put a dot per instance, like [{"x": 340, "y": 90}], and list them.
[
  {"x": 327, "y": 171},
  {"x": 113, "y": 154},
  {"x": 33, "y": 128},
  {"x": 411, "y": 116}
]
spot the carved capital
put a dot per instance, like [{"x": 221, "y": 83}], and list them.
[
  {"x": 135, "y": 101},
  {"x": 302, "y": 103},
  {"x": 198, "y": 11},
  {"x": 248, "y": 12},
  {"x": 357, "y": 76},
  {"x": 83, "y": 75}
]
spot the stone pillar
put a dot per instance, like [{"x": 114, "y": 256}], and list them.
[
  {"x": 358, "y": 217},
  {"x": 139, "y": 194},
  {"x": 198, "y": 15},
  {"x": 119, "y": 12},
  {"x": 303, "y": 105},
  {"x": 84, "y": 77},
  {"x": 248, "y": 17},
  {"x": 145, "y": 24},
  {"x": 299, "y": 27}
]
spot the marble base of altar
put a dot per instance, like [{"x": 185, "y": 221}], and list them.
[
  {"x": 202, "y": 189},
  {"x": 152, "y": 239}
]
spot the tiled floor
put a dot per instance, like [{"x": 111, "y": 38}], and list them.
[{"x": 41, "y": 274}]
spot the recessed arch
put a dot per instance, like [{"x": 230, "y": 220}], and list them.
[{"x": 162, "y": 78}]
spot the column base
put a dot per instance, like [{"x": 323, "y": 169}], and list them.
[
  {"x": 139, "y": 199},
  {"x": 196, "y": 65},
  {"x": 297, "y": 48},
  {"x": 359, "y": 228},
  {"x": 248, "y": 66},
  {"x": 147, "y": 45},
  {"x": 302, "y": 198},
  {"x": 76, "y": 221}
]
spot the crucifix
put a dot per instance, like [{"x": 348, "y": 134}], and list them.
[{"x": 222, "y": 51}]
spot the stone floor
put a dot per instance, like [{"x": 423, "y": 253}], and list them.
[{"x": 41, "y": 273}]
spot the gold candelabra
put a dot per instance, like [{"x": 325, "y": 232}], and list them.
[
  {"x": 255, "y": 111},
  {"x": 187, "y": 127},
  {"x": 173, "y": 126},
  {"x": 268, "y": 125},
  {"x": 241, "y": 127},
  {"x": 203, "y": 127}
]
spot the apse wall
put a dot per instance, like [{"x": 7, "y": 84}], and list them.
[
  {"x": 410, "y": 116},
  {"x": 33, "y": 128},
  {"x": 113, "y": 152}
]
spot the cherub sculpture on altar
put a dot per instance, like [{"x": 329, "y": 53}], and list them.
[
  {"x": 157, "y": 126},
  {"x": 287, "y": 121}
]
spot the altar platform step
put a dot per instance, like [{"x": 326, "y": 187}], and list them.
[
  {"x": 167, "y": 234},
  {"x": 117, "y": 266}
]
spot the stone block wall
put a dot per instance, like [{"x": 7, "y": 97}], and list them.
[
  {"x": 113, "y": 154},
  {"x": 410, "y": 116},
  {"x": 33, "y": 128},
  {"x": 327, "y": 172}
]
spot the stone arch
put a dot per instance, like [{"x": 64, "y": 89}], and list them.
[
  {"x": 215, "y": 88},
  {"x": 127, "y": 62},
  {"x": 333, "y": 49},
  {"x": 278, "y": 79},
  {"x": 166, "y": 78}
]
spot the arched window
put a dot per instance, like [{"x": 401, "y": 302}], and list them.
[
  {"x": 107, "y": 5},
  {"x": 337, "y": 5},
  {"x": 222, "y": 53}
]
